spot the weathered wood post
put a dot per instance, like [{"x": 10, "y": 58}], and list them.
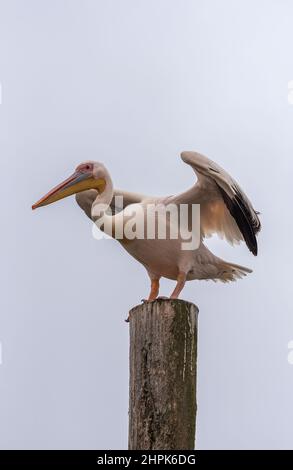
[{"x": 163, "y": 353}]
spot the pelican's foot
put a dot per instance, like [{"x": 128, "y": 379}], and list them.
[{"x": 161, "y": 297}]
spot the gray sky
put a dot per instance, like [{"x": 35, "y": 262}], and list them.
[{"x": 132, "y": 83}]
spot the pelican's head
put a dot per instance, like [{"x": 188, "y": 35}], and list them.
[{"x": 88, "y": 175}]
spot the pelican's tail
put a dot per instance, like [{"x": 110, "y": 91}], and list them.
[{"x": 231, "y": 272}]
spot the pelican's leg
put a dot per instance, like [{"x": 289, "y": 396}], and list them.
[
  {"x": 155, "y": 287},
  {"x": 181, "y": 279}
]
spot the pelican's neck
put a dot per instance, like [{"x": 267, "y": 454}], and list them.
[{"x": 100, "y": 206}]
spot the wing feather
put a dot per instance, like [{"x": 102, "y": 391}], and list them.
[{"x": 225, "y": 208}]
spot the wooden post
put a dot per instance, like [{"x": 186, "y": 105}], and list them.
[{"x": 163, "y": 352}]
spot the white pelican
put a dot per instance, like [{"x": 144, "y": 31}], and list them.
[{"x": 224, "y": 209}]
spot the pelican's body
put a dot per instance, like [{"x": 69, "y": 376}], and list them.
[
  {"x": 225, "y": 209},
  {"x": 197, "y": 264},
  {"x": 165, "y": 258}
]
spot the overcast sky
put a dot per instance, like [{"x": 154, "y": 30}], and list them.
[{"x": 132, "y": 83}]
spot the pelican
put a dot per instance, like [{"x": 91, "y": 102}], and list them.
[{"x": 224, "y": 209}]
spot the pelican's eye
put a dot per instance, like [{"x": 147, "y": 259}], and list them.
[{"x": 85, "y": 167}]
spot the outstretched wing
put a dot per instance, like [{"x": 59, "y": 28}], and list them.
[{"x": 225, "y": 208}]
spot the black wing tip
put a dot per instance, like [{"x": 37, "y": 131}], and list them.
[
  {"x": 241, "y": 213},
  {"x": 250, "y": 239},
  {"x": 254, "y": 249}
]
